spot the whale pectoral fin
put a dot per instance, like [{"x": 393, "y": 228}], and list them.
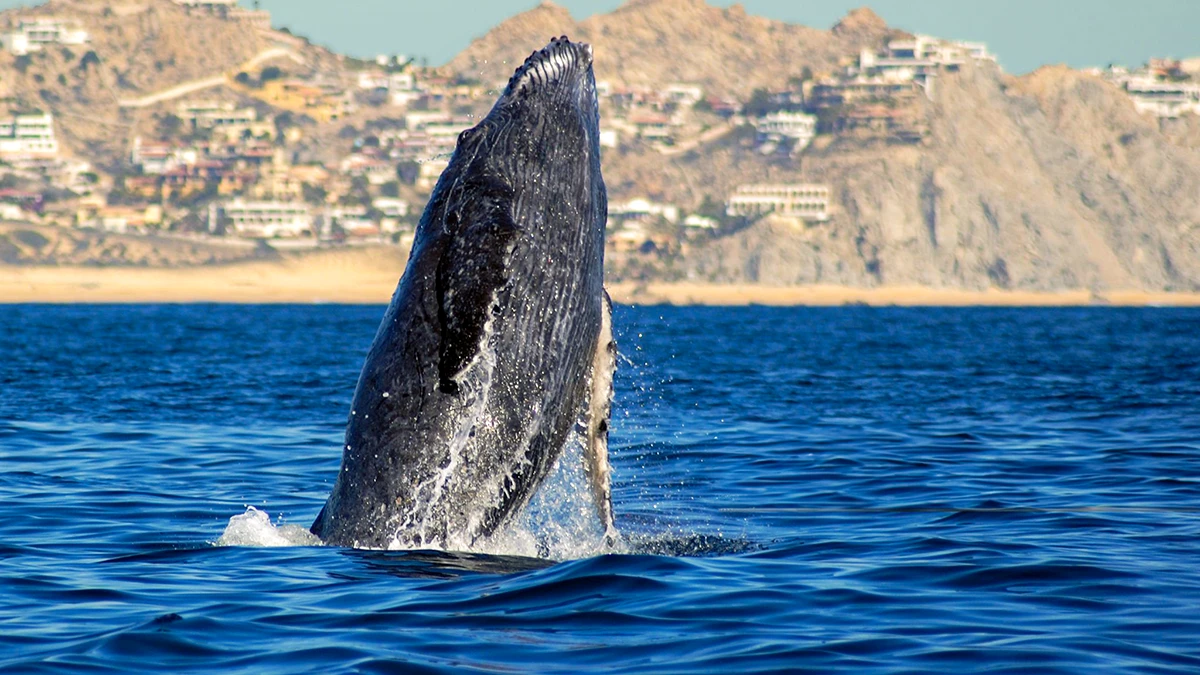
[
  {"x": 471, "y": 272},
  {"x": 596, "y": 464}
]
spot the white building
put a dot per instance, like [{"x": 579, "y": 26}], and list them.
[
  {"x": 1154, "y": 93},
  {"x": 391, "y": 207},
  {"x": 807, "y": 202},
  {"x": 159, "y": 158},
  {"x": 609, "y": 138},
  {"x": 28, "y": 136},
  {"x": 212, "y": 114},
  {"x": 266, "y": 220},
  {"x": 936, "y": 50},
  {"x": 684, "y": 95},
  {"x": 698, "y": 223},
  {"x": 1157, "y": 95},
  {"x": 800, "y": 127},
  {"x": 373, "y": 79},
  {"x": 916, "y": 60},
  {"x": 641, "y": 210},
  {"x": 32, "y": 35},
  {"x": 1164, "y": 99}
]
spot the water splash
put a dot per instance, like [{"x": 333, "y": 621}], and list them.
[
  {"x": 560, "y": 522},
  {"x": 254, "y": 528}
]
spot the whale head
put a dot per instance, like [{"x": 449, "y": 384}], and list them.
[{"x": 535, "y": 156}]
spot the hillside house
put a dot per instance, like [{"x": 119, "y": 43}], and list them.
[
  {"x": 1162, "y": 88},
  {"x": 119, "y": 219},
  {"x": 681, "y": 95},
  {"x": 391, "y": 207},
  {"x": 33, "y": 35},
  {"x": 880, "y": 121},
  {"x": 28, "y": 136},
  {"x": 377, "y": 171},
  {"x": 225, "y": 118},
  {"x": 910, "y": 62},
  {"x": 155, "y": 158},
  {"x": 797, "y": 126},
  {"x": 942, "y": 53},
  {"x": 830, "y": 92},
  {"x": 27, "y": 202},
  {"x": 642, "y": 210},
  {"x": 633, "y": 237},
  {"x": 324, "y": 103},
  {"x": 654, "y": 127},
  {"x": 263, "y": 220},
  {"x": 805, "y": 202},
  {"x": 1164, "y": 98}
]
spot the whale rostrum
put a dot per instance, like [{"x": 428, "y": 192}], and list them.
[{"x": 497, "y": 344}]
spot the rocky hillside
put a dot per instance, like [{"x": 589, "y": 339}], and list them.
[
  {"x": 1045, "y": 182},
  {"x": 653, "y": 42},
  {"x": 136, "y": 48},
  {"x": 1049, "y": 181}
]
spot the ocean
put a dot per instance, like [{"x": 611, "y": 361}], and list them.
[{"x": 834, "y": 490}]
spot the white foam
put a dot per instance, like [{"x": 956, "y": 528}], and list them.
[
  {"x": 254, "y": 528},
  {"x": 560, "y": 522}
]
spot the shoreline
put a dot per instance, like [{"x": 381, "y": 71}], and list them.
[{"x": 369, "y": 276}]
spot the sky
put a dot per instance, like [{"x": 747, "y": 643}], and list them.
[{"x": 1024, "y": 34}]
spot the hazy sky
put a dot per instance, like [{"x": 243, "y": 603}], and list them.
[{"x": 1024, "y": 33}]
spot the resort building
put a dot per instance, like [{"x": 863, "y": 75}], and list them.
[
  {"x": 28, "y": 136},
  {"x": 32, "y": 35},
  {"x": 806, "y": 202},
  {"x": 265, "y": 220}
]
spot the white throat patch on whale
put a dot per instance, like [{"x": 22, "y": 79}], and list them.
[{"x": 496, "y": 349}]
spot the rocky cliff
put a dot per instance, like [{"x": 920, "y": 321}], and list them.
[
  {"x": 1049, "y": 181},
  {"x": 1045, "y": 182},
  {"x": 654, "y": 42}
]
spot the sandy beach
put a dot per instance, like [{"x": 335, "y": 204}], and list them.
[{"x": 369, "y": 275}]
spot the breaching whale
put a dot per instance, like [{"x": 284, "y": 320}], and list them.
[{"x": 497, "y": 344}]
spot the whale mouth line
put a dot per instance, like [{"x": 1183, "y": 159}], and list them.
[{"x": 551, "y": 63}]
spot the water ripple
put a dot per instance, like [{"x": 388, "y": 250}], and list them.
[{"x": 831, "y": 490}]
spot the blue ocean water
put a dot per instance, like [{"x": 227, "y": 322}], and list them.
[{"x": 847, "y": 490}]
